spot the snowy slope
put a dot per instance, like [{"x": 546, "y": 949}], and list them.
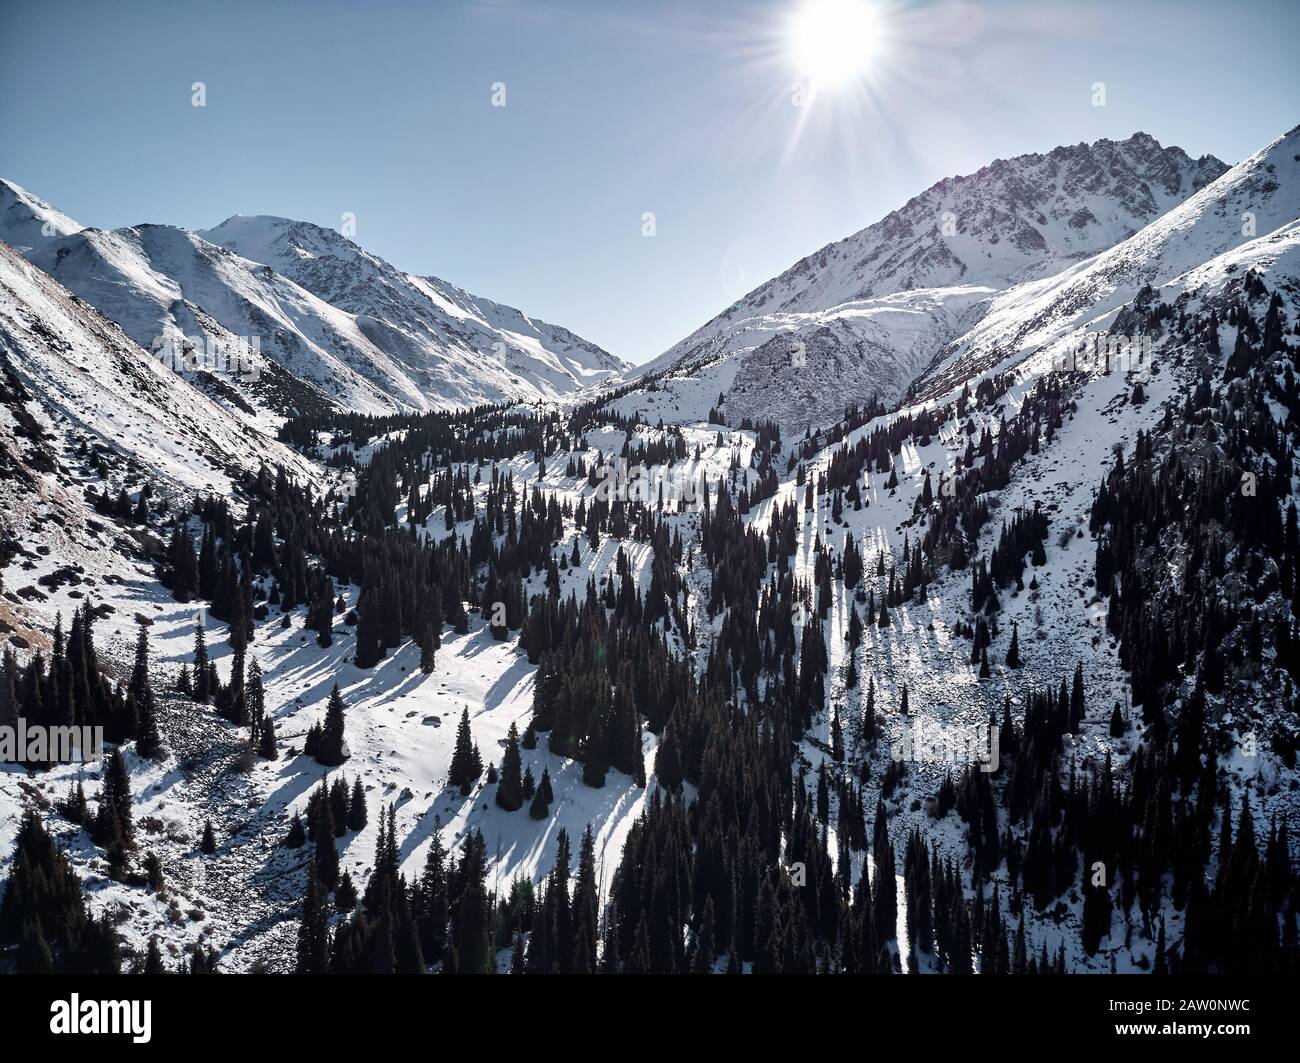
[
  {"x": 335, "y": 324},
  {"x": 453, "y": 347},
  {"x": 74, "y": 390},
  {"x": 85, "y": 375},
  {"x": 26, "y": 221},
  {"x": 83, "y": 407},
  {"x": 802, "y": 369},
  {"x": 1014, "y": 220},
  {"x": 1248, "y": 213},
  {"x": 163, "y": 284}
]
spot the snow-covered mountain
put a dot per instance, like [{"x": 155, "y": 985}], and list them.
[
  {"x": 86, "y": 412},
  {"x": 76, "y": 395},
  {"x": 88, "y": 385},
  {"x": 165, "y": 285},
  {"x": 414, "y": 345},
  {"x": 860, "y": 318},
  {"x": 459, "y": 347},
  {"x": 1247, "y": 217},
  {"x": 27, "y": 221}
]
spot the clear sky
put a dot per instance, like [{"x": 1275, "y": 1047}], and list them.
[{"x": 697, "y": 111}]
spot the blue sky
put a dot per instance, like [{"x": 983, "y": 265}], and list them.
[{"x": 613, "y": 110}]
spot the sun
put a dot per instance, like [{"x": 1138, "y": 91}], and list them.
[{"x": 833, "y": 42}]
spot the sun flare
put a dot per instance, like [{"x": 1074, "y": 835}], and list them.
[{"x": 833, "y": 42}]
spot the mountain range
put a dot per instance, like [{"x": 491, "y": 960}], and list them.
[
  {"x": 886, "y": 496},
  {"x": 862, "y": 318},
  {"x": 347, "y": 328}
]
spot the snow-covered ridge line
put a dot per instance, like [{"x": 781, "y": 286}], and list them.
[
  {"x": 863, "y": 317},
  {"x": 346, "y": 326}
]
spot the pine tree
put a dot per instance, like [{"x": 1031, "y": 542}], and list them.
[
  {"x": 465, "y": 765},
  {"x": 540, "y": 807},
  {"x": 148, "y": 743},
  {"x": 428, "y": 649},
  {"x": 586, "y": 906},
  {"x": 338, "y": 799},
  {"x": 345, "y": 893},
  {"x": 152, "y": 963},
  {"x": 313, "y": 930},
  {"x": 370, "y": 650},
  {"x": 510, "y": 785},
  {"x": 115, "y": 796},
  {"x": 1013, "y": 651},
  {"x": 202, "y": 667},
  {"x": 357, "y": 817},
  {"x": 325, "y": 860},
  {"x": 153, "y": 871},
  {"x": 255, "y": 698},
  {"x": 266, "y": 739},
  {"x": 208, "y": 845},
  {"x": 433, "y": 905},
  {"x": 332, "y": 748},
  {"x": 297, "y": 836},
  {"x": 472, "y": 912},
  {"x": 74, "y": 807}
]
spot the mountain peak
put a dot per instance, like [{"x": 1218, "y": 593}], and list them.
[
  {"x": 1015, "y": 219},
  {"x": 405, "y": 314},
  {"x": 27, "y": 221},
  {"x": 279, "y": 242},
  {"x": 891, "y": 295}
]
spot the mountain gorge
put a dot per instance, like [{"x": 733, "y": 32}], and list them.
[{"x": 854, "y": 634}]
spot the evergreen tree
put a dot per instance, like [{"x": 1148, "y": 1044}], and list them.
[
  {"x": 357, "y": 817},
  {"x": 332, "y": 747},
  {"x": 325, "y": 860},
  {"x": 1013, "y": 651},
  {"x": 466, "y": 768},
  {"x": 208, "y": 844},
  {"x": 345, "y": 893},
  {"x": 313, "y": 930},
  {"x": 540, "y": 807},
  {"x": 510, "y": 785},
  {"x": 202, "y": 667},
  {"x": 266, "y": 739},
  {"x": 297, "y": 836},
  {"x": 148, "y": 742}
]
